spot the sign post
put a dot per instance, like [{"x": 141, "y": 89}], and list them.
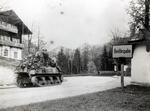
[
  {"x": 122, "y": 52},
  {"x": 122, "y": 76}
]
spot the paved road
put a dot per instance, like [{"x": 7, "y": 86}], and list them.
[{"x": 72, "y": 86}]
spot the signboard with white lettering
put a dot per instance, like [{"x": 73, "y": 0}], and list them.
[{"x": 122, "y": 51}]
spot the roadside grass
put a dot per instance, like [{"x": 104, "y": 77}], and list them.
[{"x": 134, "y": 98}]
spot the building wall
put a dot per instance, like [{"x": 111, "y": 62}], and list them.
[
  {"x": 7, "y": 66},
  {"x": 16, "y": 53},
  {"x": 1, "y": 51},
  {"x": 10, "y": 38},
  {"x": 13, "y": 53},
  {"x": 6, "y": 51},
  {"x": 140, "y": 65},
  {"x": 7, "y": 75}
]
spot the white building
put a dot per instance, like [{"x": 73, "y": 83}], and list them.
[
  {"x": 140, "y": 63},
  {"x": 11, "y": 30}
]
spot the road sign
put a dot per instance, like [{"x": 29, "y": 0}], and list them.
[{"x": 122, "y": 51}]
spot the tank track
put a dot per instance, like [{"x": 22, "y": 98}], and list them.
[
  {"x": 41, "y": 80},
  {"x": 38, "y": 80},
  {"x": 23, "y": 80}
]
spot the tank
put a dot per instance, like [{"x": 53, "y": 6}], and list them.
[{"x": 38, "y": 70}]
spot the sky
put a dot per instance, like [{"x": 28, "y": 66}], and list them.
[{"x": 71, "y": 23}]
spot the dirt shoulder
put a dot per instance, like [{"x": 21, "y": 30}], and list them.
[{"x": 134, "y": 98}]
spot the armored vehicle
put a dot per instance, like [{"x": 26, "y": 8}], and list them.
[{"x": 38, "y": 70}]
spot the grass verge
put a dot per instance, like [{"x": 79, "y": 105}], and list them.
[{"x": 134, "y": 98}]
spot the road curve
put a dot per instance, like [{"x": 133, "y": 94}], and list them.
[{"x": 72, "y": 86}]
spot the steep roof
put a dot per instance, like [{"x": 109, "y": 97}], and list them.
[
  {"x": 11, "y": 17},
  {"x": 121, "y": 41}
]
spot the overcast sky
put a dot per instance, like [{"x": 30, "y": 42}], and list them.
[{"x": 71, "y": 23}]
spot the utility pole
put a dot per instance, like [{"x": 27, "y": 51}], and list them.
[
  {"x": 28, "y": 43},
  {"x": 38, "y": 38},
  {"x": 122, "y": 77}
]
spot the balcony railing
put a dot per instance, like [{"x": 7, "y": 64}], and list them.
[
  {"x": 11, "y": 43},
  {"x": 8, "y": 27}
]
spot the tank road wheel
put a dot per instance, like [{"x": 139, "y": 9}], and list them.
[
  {"x": 44, "y": 82},
  {"x": 23, "y": 81},
  {"x": 61, "y": 78},
  {"x": 48, "y": 80},
  {"x": 20, "y": 84},
  {"x": 58, "y": 80},
  {"x": 39, "y": 81},
  {"x": 51, "y": 80},
  {"x": 34, "y": 81}
]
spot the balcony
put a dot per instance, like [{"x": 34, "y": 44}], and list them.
[
  {"x": 8, "y": 27},
  {"x": 11, "y": 43}
]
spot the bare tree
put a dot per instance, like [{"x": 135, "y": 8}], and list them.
[
  {"x": 117, "y": 35},
  {"x": 139, "y": 13}
]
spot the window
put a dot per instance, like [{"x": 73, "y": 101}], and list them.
[
  {"x": 15, "y": 54},
  {"x": 6, "y": 52},
  {"x": 1, "y": 37},
  {"x": 8, "y": 38},
  {"x": 15, "y": 40}
]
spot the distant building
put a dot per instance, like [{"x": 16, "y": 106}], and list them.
[{"x": 11, "y": 30}]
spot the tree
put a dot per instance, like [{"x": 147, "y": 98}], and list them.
[
  {"x": 139, "y": 12},
  {"x": 85, "y": 57},
  {"x": 97, "y": 52},
  {"x": 77, "y": 62},
  {"x": 91, "y": 67},
  {"x": 42, "y": 44},
  {"x": 62, "y": 61},
  {"x": 69, "y": 55},
  {"x": 29, "y": 43},
  {"x": 110, "y": 65},
  {"x": 25, "y": 51},
  {"x": 104, "y": 59},
  {"x": 85, "y": 60},
  {"x": 37, "y": 37}
]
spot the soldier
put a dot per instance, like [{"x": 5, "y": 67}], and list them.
[
  {"x": 38, "y": 55},
  {"x": 45, "y": 56}
]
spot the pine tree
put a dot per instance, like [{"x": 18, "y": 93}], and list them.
[
  {"x": 62, "y": 61},
  {"x": 77, "y": 62},
  {"x": 85, "y": 60},
  {"x": 97, "y": 62},
  {"x": 104, "y": 59}
]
